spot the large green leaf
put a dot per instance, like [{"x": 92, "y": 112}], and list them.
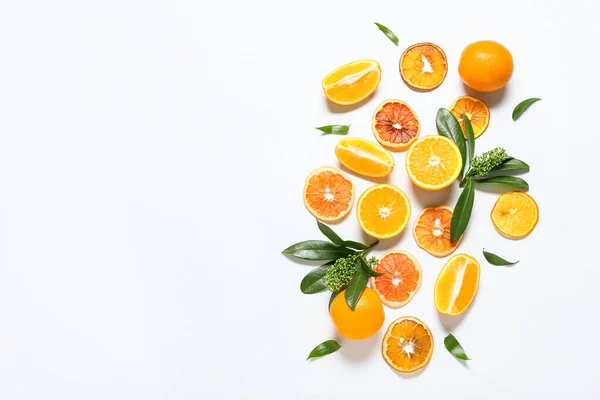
[
  {"x": 448, "y": 126},
  {"x": 462, "y": 211},
  {"x": 317, "y": 250}
]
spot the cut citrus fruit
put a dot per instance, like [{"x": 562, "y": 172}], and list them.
[
  {"x": 515, "y": 214},
  {"x": 476, "y": 110},
  {"x": 407, "y": 345},
  {"x": 366, "y": 319},
  {"x": 383, "y": 211},
  {"x": 433, "y": 162},
  {"x": 432, "y": 231},
  {"x": 364, "y": 157},
  {"x": 328, "y": 194},
  {"x": 395, "y": 124},
  {"x": 423, "y": 66},
  {"x": 401, "y": 278},
  {"x": 456, "y": 285},
  {"x": 353, "y": 82}
]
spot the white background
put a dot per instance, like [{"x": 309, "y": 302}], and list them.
[{"x": 152, "y": 157}]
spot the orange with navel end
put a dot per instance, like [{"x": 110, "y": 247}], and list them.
[
  {"x": 383, "y": 211},
  {"x": 476, "y": 110},
  {"x": 401, "y": 278},
  {"x": 395, "y": 124},
  {"x": 366, "y": 319},
  {"x": 456, "y": 284},
  {"x": 423, "y": 66},
  {"x": 364, "y": 157},
  {"x": 353, "y": 82},
  {"x": 328, "y": 194},
  {"x": 515, "y": 214},
  {"x": 485, "y": 66},
  {"x": 407, "y": 345},
  {"x": 432, "y": 231}
]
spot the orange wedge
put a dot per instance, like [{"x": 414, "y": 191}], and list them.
[
  {"x": 456, "y": 285},
  {"x": 407, "y": 345},
  {"x": 383, "y": 211},
  {"x": 328, "y": 194},
  {"x": 432, "y": 231},
  {"x": 395, "y": 124},
  {"x": 353, "y": 82},
  {"x": 433, "y": 162},
  {"x": 515, "y": 214},
  {"x": 401, "y": 278},
  {"x": 364, "y": 157},
  {"x": 476, "y": 110},
  {"x": 423, "y": 66}
]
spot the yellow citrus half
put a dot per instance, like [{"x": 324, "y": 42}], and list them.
[
  {"x": 364, "y": 157},
  {"x": 353, "y": 82},
  {"x": 456, "y": 285}
]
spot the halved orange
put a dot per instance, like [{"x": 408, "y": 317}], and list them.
[
  {"x": 407, "y": 345},
  {"x": 383, "y": 211},
  {"x": 476, "y": 110},
  {"x": 423, "y": 66},
  {"x": 364, "y": 157},
  {"x": 432, "y": 231},
  {"x": 328, "y": 194},
  {"x": 515, "y": 214},
  {"x": 395, "y": 124},
  {"x": 433, "y": 162},
  {"x": 353, "y": 82},
  {"x": 401, "y": 278},
  {"x": 457, "y": 284}
]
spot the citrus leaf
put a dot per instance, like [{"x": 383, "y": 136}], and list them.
[
  {"x": 354, "y": 245},
  {"x": 388, "y": 33},
  {"x": 462, "y": 211},
  {"x": 356, "y": 287},
  {"x": 522, "y": 106},
  {"x": 333, "y": 296},
  {"x": 314, "y": 281},
  {"x": 334, "y": 129},
  {"x": 323, "y": 349},
  {"x": 454, "y": 347},
  {"x": 329, "y": 233},
  {"x": 511, "y": 181},
  {"x": 448, "y": 126},
  {"x": 368, "y": 270},
  {"x": 317, "y": 250},
  {"x": 497, "y": 260},
  {"x": 470, "y": 140},
  {"x": 509, "y": 167}
]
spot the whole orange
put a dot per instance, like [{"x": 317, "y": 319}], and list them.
[
  {"x": 485, "y": 66},
  {"x": 364, "y": 321}
]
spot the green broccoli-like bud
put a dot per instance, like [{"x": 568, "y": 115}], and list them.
[
  {"x": 338, "y": 276},
  {"x": 483, "y": 164}
]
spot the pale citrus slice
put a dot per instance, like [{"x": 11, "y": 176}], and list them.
[
  {"x": 407, "y": 345},
  {"x": 383, "y": 211},
  {"x": 328, "y": 194},
  {"x": 395, "y": 124},
  {"x": 433, "y": 162},
  {"x": 364, "y": 157},
  {"x": 423, "y": 66},
  {"x": 401, "y": 278},
  {"x": 476, "y": 110},
  {"x": 432, "y": 231},
  {"x": 353, "y": 82},
  {"x": 456, "y": 285},
  {"x": 515, "y": 214}
]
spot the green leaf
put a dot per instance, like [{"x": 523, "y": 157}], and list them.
[
  {"x": 462, "y": 211},
  {"x": 334, "y": 129},
  {"x": 327, "y": 347},
  {"x": 317, "y": 250},
  {"x": 497, "y": 260},
  {"x": 329, "y": 233},
  {"x": 333, "y": 296},
  {"x": 470, "y": 140},
  {"x": 368, "y": 270},
  {"x": 354, "y": 245},
  {"x": 448, "y": 126},
  {"x": 356, "y": 287},
  {"x": 511, "y": 181},
  {"x": 314, "y": 281},
  {"x": 522, "y": 106},
  {"x": 388, "y": 33},
  {"x": 509, "y": 167},
  {"x": 454, "y": 347}
]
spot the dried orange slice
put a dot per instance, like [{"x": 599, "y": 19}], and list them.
[
  {"x": 456, "y": 285},
  {"x": 401, "y": 278},
  {"x": 515, "y": 214},
  {"x": 364, "y": 157},
  {"x": 383, "y": 211},
  {"x": 423, "y": 66},
  {"x": 328, "y": 194},
  {"x": 395, "y": 124},
  {"x": 433, "y": 162},
  {"x": 353, "y": 82},
  {"x": 407, "y": 345},
  {"x": 432, "y": 231},
  {"x": 476, "y": 110}
]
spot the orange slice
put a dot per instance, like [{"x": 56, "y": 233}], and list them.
[
  {"x": 395, "y": 124},
  {"x": 407, "y": 345},
  {"x": 515, "y": 214},
  {"x": 432, "y": 231},
  {"x": 353, "y": 82},
  {"x": 456, "y": 285},
  {"x": 364, "y": 157},
  {"x": 423, "y": 66},
  {"x": 328, "y": 194},
  {"x": 401, "y": 279},
  {"x": 476, "y": 110},
  {"x": 433, "y": 162},
  {"x": 383, "y": 211}
]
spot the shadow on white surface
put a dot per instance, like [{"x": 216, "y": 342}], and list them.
[
  {"x": 491, "y": 99},
  {"x": 386, "y": 244},
  {"x": 433, "y": 198},
  {"x": 451, "y": 322},
  {"x": 356, "y": 351},
  {"x": 339, "y": 109}
]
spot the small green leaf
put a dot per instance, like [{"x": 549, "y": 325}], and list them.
[
  {"x": 448, "y": 126},
  {"x": 497, "y": 260},
  {"x": 470, "y": 140},
  {"x": 356, "y": 287},
  {"x": 522, "y": 106},
  {"x": 511, "y": 181},
  {"x": 388, "y": 33},
  {"x": 333, "y": 296},
  {"x": 454, "y": 347},
  {"x": 317, "y": 250},
  {"x": 334, "y": 129},
  {"x": 314, "y": 281},
  {"x": 509, "y": 167},
  {"x": 368, "y": 270},
  {"x": 329, "y": 233},
  {"x": 323, "y": 349},
  {"x": 354, "y": 245},
  {"x": 462, "y": 211}
]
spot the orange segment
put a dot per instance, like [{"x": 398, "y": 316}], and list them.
[
  {"x": 515, "y": 214},
  {"x": 353, "y": 82},
  {"x": 407, "y": 345},
  {"x": 456, "y": 285},
  {"x": 423, "y": 66},
  {"x": 432, "y": 231},
  {"x": 364, "y": 157},
  {"x": 395, "y": 124},
  {"x": 476, "y": 110},
  {"x": 401, "y": 279},
  {"x": 328, "y": 194},
  {"x": 383, "y": 211},
  {"x": 366, "y": 319},
  {"x": 433, "y": 162}
]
